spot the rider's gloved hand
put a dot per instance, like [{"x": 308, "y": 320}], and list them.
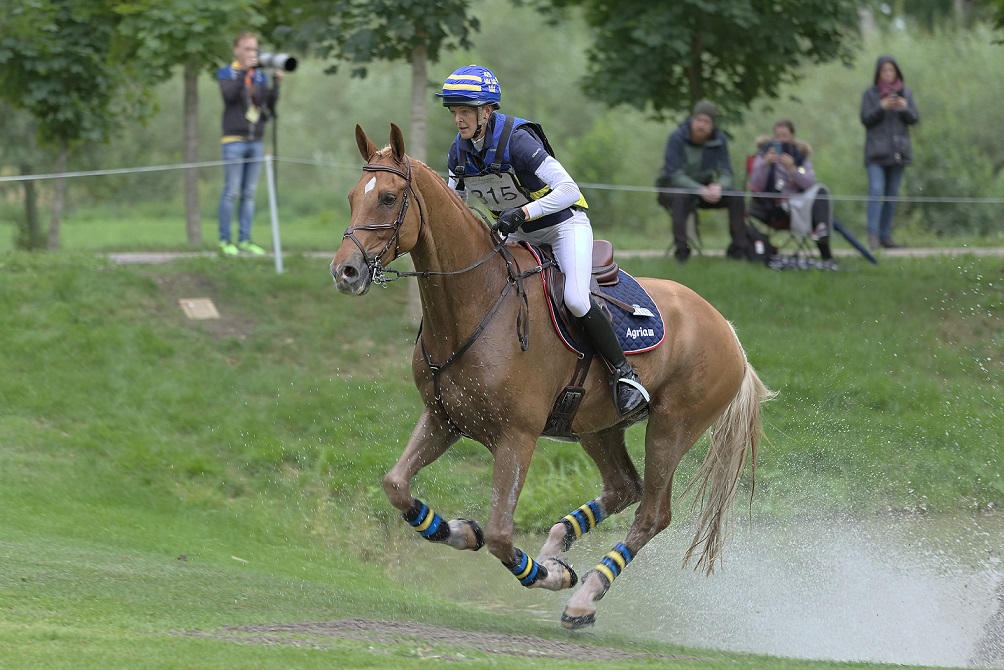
[{"x": 510, "y": 220}]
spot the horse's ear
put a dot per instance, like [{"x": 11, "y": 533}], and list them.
[
  {"x": 397, "y": 142},
  {"x": 366, "y": 146}
]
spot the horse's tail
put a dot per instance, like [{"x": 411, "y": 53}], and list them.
[{"x": 737, "y": 429}]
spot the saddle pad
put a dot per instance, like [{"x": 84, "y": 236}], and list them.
[{"x": 636, "y": 333}]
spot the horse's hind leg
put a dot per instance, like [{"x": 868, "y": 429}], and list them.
[
  {"x": 621, "y": 488},
  {"x": 429, "y": 440},
  {"x": 665, "y": 444}
]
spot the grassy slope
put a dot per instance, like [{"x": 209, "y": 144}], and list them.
[{"x": 253, "y": 446}]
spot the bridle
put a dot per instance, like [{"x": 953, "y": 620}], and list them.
[{"x": 373, "y": 264}]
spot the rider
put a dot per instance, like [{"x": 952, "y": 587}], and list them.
[{"x": 507, "y": 163}]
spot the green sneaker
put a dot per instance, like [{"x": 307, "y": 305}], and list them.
[
  {"x": 250, "y": 247},
  {"x": 228, "y": 248}
]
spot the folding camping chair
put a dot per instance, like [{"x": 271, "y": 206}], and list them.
[
  {"x": 799, "y": 243},
  {"x": 804, "y": 251}
]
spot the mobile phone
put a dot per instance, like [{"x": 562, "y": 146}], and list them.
[{"x": 777, "y": 146}]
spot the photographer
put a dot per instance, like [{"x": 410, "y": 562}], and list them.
[
  {"x": 247, "y": 102},
  {"x": 782, "y": 169}
]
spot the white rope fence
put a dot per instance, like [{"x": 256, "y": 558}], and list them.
[
  {"x": 269, "y": 160},
  {"x": 582, "y": 185}
]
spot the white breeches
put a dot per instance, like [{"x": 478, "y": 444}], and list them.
[{"x": 572, "y": 242}]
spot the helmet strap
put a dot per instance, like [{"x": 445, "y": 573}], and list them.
[{"x": 481, "y": 124}]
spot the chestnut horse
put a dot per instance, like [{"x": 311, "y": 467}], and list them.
[{"x": 489, "y": 366}]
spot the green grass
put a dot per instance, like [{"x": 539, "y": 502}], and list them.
[{"x": 162, "y": 475}]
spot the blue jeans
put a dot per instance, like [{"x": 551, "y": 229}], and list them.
[
  {"x": 240, "y": 179},
  {"x": 883, "y": 181}
]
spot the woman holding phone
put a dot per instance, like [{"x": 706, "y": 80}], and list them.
[{"x": 887, "y": 112}]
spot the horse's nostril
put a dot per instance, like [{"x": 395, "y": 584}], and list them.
[{"x": 349, "y": 273}]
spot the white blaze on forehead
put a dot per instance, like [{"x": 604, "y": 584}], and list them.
[{"x": 369, "y": 185}]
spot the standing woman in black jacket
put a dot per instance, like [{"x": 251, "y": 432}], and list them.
[{"x": 887, "y": 112}]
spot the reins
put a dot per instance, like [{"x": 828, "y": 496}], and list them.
[{"x": 515, "y": 278}]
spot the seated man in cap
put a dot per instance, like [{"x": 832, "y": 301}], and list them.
[{"x": 698, "y": 170}]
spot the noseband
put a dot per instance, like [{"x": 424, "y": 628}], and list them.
[{"x": 373, "y": 264}]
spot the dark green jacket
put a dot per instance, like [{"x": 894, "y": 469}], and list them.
[{"x": 689, "y": 165}]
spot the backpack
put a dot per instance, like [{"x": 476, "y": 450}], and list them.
[{"x": 759, "y": 248}]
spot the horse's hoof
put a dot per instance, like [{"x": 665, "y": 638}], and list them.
[
  {"x": 568, "y": 576},
  {"x": 468, "y": 533},
  {"x": 558, "y": 575},
  {"x": 479, "y": 537},
  {"x": 575, "y": 622}
]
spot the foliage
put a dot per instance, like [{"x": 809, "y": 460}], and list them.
[
  {"x": 618, "y": 150},
  {"x": 362, "y": 31},
  {"x": 996, "y": 7},
  {"x": 957, "y": 178},
  {"x": 930, "y": 15},
  {"x": 666, "y": 56},
  {"x": 64, "y": 64},
  {"x": 169, "y": 33}
]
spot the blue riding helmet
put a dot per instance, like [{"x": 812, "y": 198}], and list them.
[{"x": 471, "y": 86}]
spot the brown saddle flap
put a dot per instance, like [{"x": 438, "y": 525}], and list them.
[
  {"x": 604, "y": 266},
  {"x": 604, "y": 273}
]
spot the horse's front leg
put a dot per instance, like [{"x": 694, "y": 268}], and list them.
[
  {"x": 429, "y": 440},
  {"x": 512, "y": 458}
]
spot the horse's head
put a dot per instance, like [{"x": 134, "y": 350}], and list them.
[{"x": 383, "y": 224}]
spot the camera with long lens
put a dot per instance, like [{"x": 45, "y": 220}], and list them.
[{"x": 283, "y": 62}]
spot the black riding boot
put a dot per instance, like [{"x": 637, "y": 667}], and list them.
[{"x": 629, "y": 394}]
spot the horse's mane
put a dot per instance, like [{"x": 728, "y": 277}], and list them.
[{"x": 451, "y": 195}]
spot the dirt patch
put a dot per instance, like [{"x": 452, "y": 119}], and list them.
[
  {"x": 426, "y": 640},
  {"x": 174, "y": 287}
]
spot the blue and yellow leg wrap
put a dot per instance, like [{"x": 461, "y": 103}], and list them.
[
  {"x": 613, "y": 564},
  {"x": 527, "y": 570},
  {"x": 427, "y": 523},
  {"x": 581, "y": 521}
]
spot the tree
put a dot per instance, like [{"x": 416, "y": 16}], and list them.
[
  {"x": 996, "y": 12},
  {"x": 62, "y": 62},
  {"x": 664, "y": 56},
  {"x": 195, "y": 35},
  {"x": 362, "y": 31},
  {"x": 17, "y": 139}
]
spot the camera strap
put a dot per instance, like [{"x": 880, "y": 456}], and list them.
[{"x": 250, "y": 86}]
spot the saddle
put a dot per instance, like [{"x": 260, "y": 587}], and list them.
[{"x": 605, "y": 273}]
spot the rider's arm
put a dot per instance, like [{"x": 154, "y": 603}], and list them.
[{"x": 564, "y": 191}]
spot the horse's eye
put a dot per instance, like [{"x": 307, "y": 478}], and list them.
[{"x": 388, "y": 199}]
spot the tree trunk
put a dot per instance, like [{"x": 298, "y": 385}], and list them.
[
  {"x": 695, "y": 76},
  {"x": 190, "y": 153},
  {"x": 419, "y": 76},
  {"x": 416, "y": 144},
  {"x": 57, "y": 200},
  {"x": 31, "y": 235}
]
